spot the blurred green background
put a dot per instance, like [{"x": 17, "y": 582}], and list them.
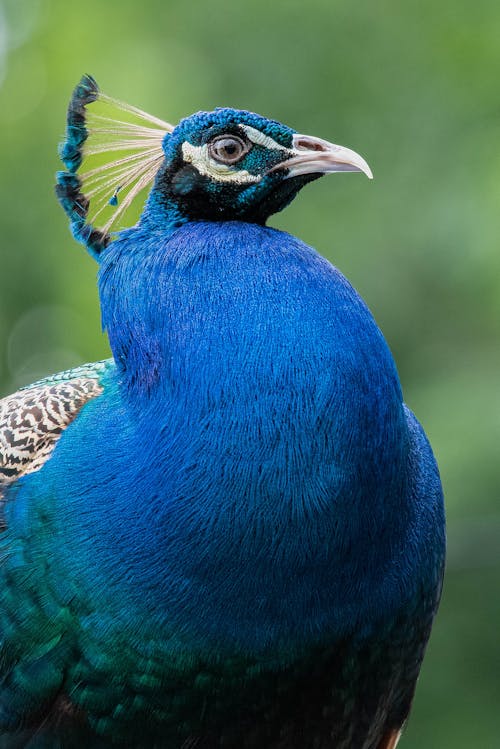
[{"x": 414, "y": 87}]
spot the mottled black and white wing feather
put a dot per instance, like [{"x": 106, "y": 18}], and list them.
[{"x": 33, "y": 418}]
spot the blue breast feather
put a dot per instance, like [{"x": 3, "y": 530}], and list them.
[{"x": 265, "y": 491}]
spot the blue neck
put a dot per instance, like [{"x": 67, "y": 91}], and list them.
[
  {"x": 259, "y": 377},
  {"x": 241, "y": 484}
]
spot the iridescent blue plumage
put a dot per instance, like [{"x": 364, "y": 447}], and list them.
[{"x": 238, "y": 539}]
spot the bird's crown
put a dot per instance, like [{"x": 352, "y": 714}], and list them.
[{"x": 227, "y": 164}]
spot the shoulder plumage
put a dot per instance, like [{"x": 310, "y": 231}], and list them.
[
  {"x": 33, "y": 418},
  {"x": 93, "y": 371}
]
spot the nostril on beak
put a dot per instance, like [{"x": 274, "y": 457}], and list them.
[{"x": 308, "y": 144}]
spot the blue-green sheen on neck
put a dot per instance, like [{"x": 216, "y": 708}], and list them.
[{"x": 238, "y": 439}]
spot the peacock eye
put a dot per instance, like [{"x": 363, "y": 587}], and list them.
[{"x": 228, "y": 149}]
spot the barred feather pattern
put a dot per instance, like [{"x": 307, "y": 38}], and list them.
[{"x": 33, "y": 419}]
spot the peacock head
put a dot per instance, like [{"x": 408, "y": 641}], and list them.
[
  {"x": 231, "y": 164},
  {"x": 223, "y": 165}
]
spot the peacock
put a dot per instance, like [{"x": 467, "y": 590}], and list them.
[{"x": 230, "y": 534}]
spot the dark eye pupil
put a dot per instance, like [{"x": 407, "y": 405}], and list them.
[{"x": 227, "y": 149}]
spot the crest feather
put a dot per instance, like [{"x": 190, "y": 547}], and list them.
[{"x": 112, "y": 152}]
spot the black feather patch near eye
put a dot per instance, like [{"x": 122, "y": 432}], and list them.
[{"x": 185, "y": 180}]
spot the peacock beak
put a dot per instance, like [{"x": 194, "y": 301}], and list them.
[{"x": 311, "y": 155}]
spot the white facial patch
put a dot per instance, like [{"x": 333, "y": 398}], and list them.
[
  {"x": 262, "y": 140},
  {"x": 199, "y": 157}
]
